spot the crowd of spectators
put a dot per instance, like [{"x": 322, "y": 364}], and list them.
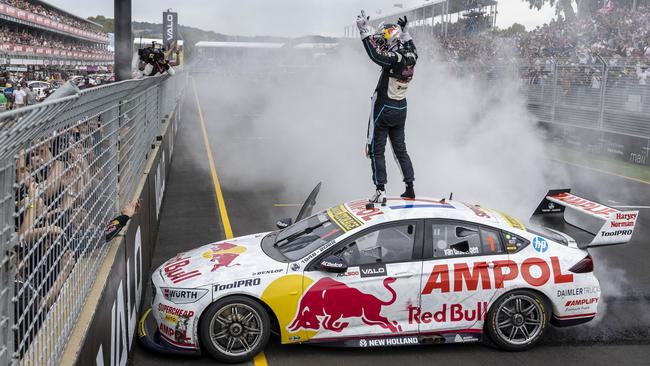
[
  {"x": 56, "y": 16},
  {"x": 36, "y": 38}
]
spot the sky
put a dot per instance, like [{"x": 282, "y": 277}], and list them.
[{"x": 282, "y": 17}]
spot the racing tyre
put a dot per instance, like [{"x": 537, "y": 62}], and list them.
[
  {"x": 518, "y": 320},
  {"x": 235, "y": 329}
]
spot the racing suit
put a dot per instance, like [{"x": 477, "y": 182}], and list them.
[{"x": 388, "y": 108}]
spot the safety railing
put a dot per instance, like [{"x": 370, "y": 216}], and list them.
[
  {"x": 66, "y": 168},
  {"x": 599, "y": 96}
]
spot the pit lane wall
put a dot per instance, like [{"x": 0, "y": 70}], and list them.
[{"x": 106, "y": 330}]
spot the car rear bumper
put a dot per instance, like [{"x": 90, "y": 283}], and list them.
[
  {"x": 570, "y": 320},
  {"x": 153, "y": 340}
]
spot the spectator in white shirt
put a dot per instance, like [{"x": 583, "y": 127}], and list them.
[{"x": 20, "y": 97}]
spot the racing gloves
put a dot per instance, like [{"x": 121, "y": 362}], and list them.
[{"x": 363, "y": 23}]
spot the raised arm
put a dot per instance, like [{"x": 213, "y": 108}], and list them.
[{"x": 381, "y": 58}]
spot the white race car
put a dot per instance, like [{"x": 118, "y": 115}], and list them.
[{"x": 412, "y": 272}]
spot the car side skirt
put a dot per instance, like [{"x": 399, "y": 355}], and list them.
[
  {"x": 413, "y": 339},
  {"x": 570, "y": 320}
]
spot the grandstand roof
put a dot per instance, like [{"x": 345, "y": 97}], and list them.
[
  {"x": 436, "y": 6},
  {"x": 208, "y": 44},
  {"x": 66, "y": 12}
]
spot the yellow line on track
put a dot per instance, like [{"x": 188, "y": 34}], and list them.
[
  {"x": 602, "y": 171},
  {"x": 225, "y": 221},
  {"x": 260, "y": 359}
]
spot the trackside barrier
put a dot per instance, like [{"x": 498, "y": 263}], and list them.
[{"x": 67, "y": 166}]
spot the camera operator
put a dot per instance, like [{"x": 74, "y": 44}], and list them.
[{"x": 154, "y": 61}]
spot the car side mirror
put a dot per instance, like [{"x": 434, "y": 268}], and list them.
[
  {"x": 284, "y": 223},
  {"x": 334, "y": 264}
]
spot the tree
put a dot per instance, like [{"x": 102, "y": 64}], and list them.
[
  {"x": 585, "y": 7},
  {"x": 106, "y": 23},
  {"x": 512, "y": 31}
]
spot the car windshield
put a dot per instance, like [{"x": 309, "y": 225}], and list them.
[{"x": 305, "y": 236}]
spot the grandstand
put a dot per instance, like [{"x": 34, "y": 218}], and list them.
[
  {"x": 38, "y": 37},
  {"x": 434, "y": 18}
]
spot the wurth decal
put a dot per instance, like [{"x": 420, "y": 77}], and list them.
[
  {"x": 466, "y": 279},
  {"x": 328, "y": 303}
]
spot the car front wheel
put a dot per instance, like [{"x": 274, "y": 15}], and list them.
[
  {"x": 518, "y": 320},
  {"x": 235, "y": 329}
]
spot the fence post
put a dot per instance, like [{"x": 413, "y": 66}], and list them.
[
  {"x": 603, "y": 85},
  {"x": 555, "y": 71},
  {"x": 7, "y": 241}
]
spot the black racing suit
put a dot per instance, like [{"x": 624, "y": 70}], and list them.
[{"x": 388, "y": 110}]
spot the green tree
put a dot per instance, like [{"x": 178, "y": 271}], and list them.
[{"x": 107, "y": 23}]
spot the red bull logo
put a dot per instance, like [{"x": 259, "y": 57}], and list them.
[
  {"x": 223, "y": 255},
  {"x": 328, "y": 302}
]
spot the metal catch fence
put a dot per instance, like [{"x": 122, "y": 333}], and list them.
[
  {"x": 67, "y": 166},
  {"x": 600, "y": 96}
]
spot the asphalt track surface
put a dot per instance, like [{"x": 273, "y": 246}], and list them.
[{"x": 191, "y": 217}]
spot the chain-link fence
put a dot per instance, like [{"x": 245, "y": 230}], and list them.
[
  {"x": 600, "y": 96},
  {"x": 67, "y": 166}
]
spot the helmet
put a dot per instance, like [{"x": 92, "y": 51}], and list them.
[{"x": 388, "y": 36}]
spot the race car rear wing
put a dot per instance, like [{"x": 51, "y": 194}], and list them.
[{"x": 605, "y": 225}]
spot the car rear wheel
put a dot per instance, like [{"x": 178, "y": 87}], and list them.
[
  {"x": 518, "y": 320},
  {"x": 235, "y": 329}
]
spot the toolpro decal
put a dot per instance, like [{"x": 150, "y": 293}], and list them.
[
  {"x": 329, "y": 305},
  {"x": 223, "y": 255},
  {"x": 175, "y": 271},
  {"x": 251, "y": 282},
  {"x": 469, "y": 277},
  {"x": 448, "y": 313},
  {"x": 540, "y": 244}
]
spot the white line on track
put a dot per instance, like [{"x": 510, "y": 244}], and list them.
[{"x": 644, "y": 207}]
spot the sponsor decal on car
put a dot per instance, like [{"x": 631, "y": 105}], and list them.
[
  {"x": 170, "y": 310},
  {"x": 478, "y": 211},
  {"x": 584, "y": 204},
  {"x": 223, "y": 254},
  {"x": 463, "y": 339},
  {"x": 512, "y": 222},
  {"x": 359, "y": 209},
  {"x": 383, "y": 342},
  {"x": 581, "y": 302},
  {"x": 466, "y": 279},
  {"x": 237, "y": 284},
  {"x": 270, "y": 271},
  {"x": 373, "y": 270},
  {"x": 344, "y": 218},
  {"x": 624, "y": 220},
  {"x": 540, "y": 244},
  {"x": 174, "y": 270},
  {"x": 616, "y": 233},
  {"x": 321, "y": 308},
  {"x": 588, "y": 290},
  {"x": 347, "y": 274},
  {"x": 448, "y": 313},
  {"x": 183, "y": 296}
]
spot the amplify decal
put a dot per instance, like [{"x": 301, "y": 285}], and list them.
[
  {"x": 359, "y": 209},
  {"x": 183, "y": 296},
  {"x": 581, "y": 302},
  {"x": 466, "y": 279},
  {"x": 322, "y": 307},
  {"x": 223, "y": 255},
  {"x": 373, "y": 270},
  {"x": 448, "y": 313},
  {"x": 383, "y": 342},
  {"x": 343, "y": 218},
  {"x": 175, "y": 272}
]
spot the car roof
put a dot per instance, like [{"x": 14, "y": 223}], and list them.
[{"x": 397, "y": 208}]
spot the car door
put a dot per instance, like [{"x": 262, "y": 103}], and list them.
[
  {"x": 372, "y": 296},
  {"x": 457, "y": 275}
]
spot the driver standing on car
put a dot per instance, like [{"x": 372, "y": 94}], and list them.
[{"x": 392, "y": 48}]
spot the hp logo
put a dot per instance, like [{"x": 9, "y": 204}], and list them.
[{"x": 540, "y": 244}]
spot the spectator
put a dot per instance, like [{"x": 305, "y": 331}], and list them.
[
  {"x": 20, "y": 97},
  {"x": 31, "y": 97}
]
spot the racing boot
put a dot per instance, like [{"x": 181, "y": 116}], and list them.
[
  {"x": 409, "y": 192},
  {"x": 379, "y": 196}
]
